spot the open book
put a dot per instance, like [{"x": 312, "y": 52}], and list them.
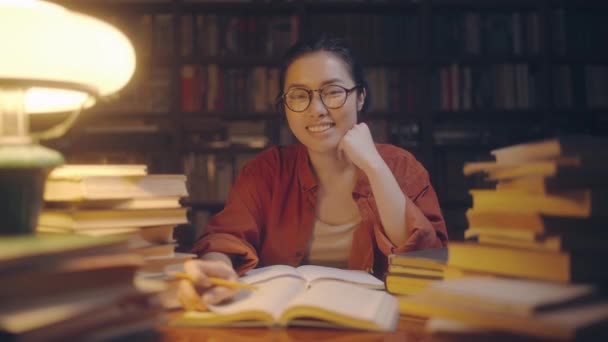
[{"x": 307, "y": 296}]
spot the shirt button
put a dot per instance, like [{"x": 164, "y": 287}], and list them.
[
  {"x": 310, "y": 210},
  {"x": 299, "y": 254}
]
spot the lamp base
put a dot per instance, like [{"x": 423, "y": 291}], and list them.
[
  {"x": 21, "y": 192},
  {"x": 23, "y": 172}
]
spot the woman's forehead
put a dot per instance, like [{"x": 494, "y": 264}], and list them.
[{"x": 316, "y": 68}]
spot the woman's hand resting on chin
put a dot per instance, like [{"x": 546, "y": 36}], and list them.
[{"x": 358, "y": 146}]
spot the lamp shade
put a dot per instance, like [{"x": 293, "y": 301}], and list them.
[{"x": 60, "y": 56}]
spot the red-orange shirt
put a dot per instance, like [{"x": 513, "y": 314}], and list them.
[{"x": 269, "y": 215}]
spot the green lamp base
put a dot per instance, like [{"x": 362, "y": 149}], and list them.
[{"x": 23, "y": 172}]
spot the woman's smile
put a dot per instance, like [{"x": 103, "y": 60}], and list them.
[{"x": 320, "y": 127}]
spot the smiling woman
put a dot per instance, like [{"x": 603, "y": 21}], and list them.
[{"x": 335, "y": 199}]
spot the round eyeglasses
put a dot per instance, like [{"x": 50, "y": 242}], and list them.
[{"x": 332, "y": 96}]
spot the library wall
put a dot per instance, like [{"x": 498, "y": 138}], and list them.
[{"x": 449, "y": 80}]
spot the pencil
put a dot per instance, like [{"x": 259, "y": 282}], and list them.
[{"x": 218, "y": 281}]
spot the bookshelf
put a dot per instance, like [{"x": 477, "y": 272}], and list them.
[{"x": 450, "y": 80}]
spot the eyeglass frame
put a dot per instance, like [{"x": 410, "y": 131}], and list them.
[{"x": 311, "y": 95}]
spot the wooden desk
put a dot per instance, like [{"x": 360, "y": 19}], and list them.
[{"x": 407, "y": 331}]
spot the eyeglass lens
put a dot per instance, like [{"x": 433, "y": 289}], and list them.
[{"x": 298, "y": 99}]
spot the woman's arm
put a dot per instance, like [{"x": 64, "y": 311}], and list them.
[
  {"x": 404, "y": 223},
  {"x": 390, "y": 200}
]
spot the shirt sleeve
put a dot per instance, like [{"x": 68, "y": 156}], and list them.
[
  {"x": 423, "y": 217},
  {"x": 236, "y": 230}
]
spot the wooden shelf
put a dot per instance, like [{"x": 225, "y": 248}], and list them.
[
  {"x": 375, "y": 7},
  {"x": 485, "y": 59},
  {"x": 202, "y": 205},
  {"x": 235, "y": 61},
  {"x": 236, "y": 7},
  {"x": 205, "y": 116},
  {"x": 521, "y": 115},
  {"x": 229, "y": 150}
]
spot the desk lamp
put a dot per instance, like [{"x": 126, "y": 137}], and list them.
[{"x": 52, "y": 60}]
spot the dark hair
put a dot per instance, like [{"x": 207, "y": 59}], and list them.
[{"x": 336, "y": 46}]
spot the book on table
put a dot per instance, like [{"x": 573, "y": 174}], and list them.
[
  {"x": 539, "y": 309},
  {"x": 564, "y": 267},
  {"x": 431, "y": 259},
  {"x": 80, "y": 182},
  {"x": 412, "y": 272},
  {"x": 573, "y": 145},
  {"x": 74, "y": 220},
  {"x": 576, "y": 203},
  {"x": 534, "y": 222},
  {"x": 305, "y": 296}
]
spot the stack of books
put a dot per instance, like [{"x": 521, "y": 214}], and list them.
[
  {"x": 106, "y": 200},
  {"x": 540, "y": 232},
  {"x": 60, "y": 287},
  {"x": 546, "y": 218},
  {"x": 412, "y": 272}
]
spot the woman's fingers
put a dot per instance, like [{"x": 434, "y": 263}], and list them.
[
  {"x": 200, "y": 272},
  {"x": 218, "y": 294},
  {"x": 188, "y": 297}
]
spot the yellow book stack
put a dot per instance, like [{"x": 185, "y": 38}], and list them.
[
  {"x": 534, "y": 247},
  {"x": 113, "y": 199}
]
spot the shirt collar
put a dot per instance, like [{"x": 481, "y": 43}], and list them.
[{"x": 308, "y": 181}]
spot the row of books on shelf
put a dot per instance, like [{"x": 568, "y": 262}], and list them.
[
  {"x": 371, "y": 35},
  {"x": 213, "y": 88},
  {"x": 579, "y": 32},
  {"x": 568, "y": 80},
  {"x": 502, "y": 86},
  {"x": 531, "y": 264},
  {"x": 150, "y": 91},
  {"x": 151, "y": 34},
  {"x": 210, "y": 35},
  {"x": 210, "y": 176},
  {"x": 492, "y": 33}
]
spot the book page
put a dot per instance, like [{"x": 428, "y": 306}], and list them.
[
  {"x": 345, "y": 305},
  {"x": 262, "y": 274},
  {"x": 271, "y": 297},
  {"x": 313, "y": 273}
]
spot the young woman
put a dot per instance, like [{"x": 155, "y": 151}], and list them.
[{"x": 336, "y": 199}]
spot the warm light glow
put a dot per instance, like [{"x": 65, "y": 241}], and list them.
[
  {"x": 44, "y": 41},
  {"x": 38, "y": 100}
]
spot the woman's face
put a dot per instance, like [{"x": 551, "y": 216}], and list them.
[{"x": 320, "y": 128}]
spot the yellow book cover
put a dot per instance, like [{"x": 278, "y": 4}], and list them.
[
  {"x": 540, "y": 309},
  {"x": 304, "y": 296},
  {"x": 576, "y": 203},
  {"x": 523, "y": 263},
  {"x": 551, "y": 149},
  {"x": 547, "y": 243},
  {"x": 119, "y": 204},
  {"x": 432, "y": 258},
  {"x": 113, "y": 187},
  {"x": 99, "y": 219},
  {"x": 17, "y": 251},
  {"x": 407, "y": 284},
  {"x": 534, "y": 222},
  {"x": 398, "y": 269}
]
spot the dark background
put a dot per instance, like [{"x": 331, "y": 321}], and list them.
[{"x": 450, "y": 81}]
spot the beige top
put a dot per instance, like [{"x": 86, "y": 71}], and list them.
[{"x": 331, "y": 245}]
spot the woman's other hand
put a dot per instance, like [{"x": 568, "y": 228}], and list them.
[{"x": 198, "y": 292}]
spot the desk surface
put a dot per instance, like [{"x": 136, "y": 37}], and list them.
[{"x": 407, "y": 331}]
